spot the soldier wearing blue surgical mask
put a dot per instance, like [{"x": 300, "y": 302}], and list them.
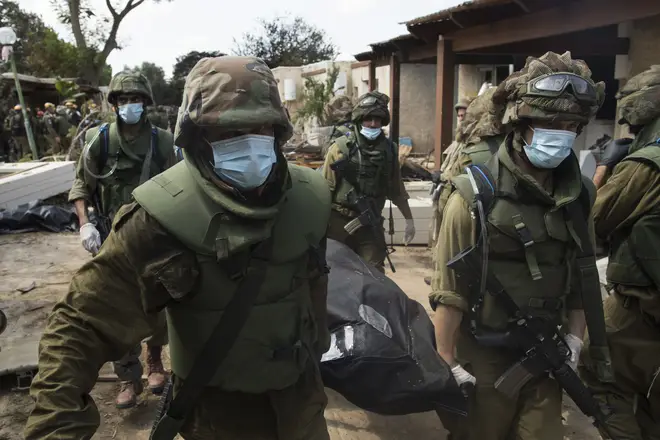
[
  {"x": 365, "y": 164},
  {"x": 526, "y": 209},
  {"x": 118, "y": 157}
]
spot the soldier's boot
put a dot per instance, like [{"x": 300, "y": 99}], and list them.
[
  {"x": 127, "y": 397},
  {"x": 427, "y": 280},
  {"x": 156, "y": 377}
]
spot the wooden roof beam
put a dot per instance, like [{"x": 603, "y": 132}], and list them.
[{"x": 564, "y": 19}]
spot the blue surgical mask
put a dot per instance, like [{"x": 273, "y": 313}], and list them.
[
  {"x": 549, "y": 147},
  {"x": 370, "y": 133},
  {"x": 244, "y": 162},
  {"x": 131, "y": 113}
]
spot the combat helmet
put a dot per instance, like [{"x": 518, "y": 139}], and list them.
[
  {"x": 230, "y": 93},
  {"x": 338, "y": 110},
  {"x": 130, "y": 83},
  {"x": 552, "y": 87},
  {"x": 639, "y": 99},
  {"x": 462, "y": 103},
  {"x": 482, "y": 119},
  {"x": 372, "y": 104}
]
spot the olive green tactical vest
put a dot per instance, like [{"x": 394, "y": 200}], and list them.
[
  {"x": 274, "y": 346},
  {"x": 630, "y": 246},
  {"x": 116, "y": 189},
  {"x": 371, "y": 168},
  {"x": 531, "y": 244}
]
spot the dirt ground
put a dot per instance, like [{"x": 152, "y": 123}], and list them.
[{"x": 41, "y": 264}]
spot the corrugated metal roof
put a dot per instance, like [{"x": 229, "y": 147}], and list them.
[
  {"x": 446, "y": 13},
  {"x": 401, "y": 37}
]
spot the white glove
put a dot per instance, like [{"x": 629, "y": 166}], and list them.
[
  {"x": 462, "y": 376},
  {"x": 410, "y": 231},
  {"x": 90, "y": 237},
  {"x": 575, "y": 344}
]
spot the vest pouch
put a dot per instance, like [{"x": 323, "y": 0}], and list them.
[
  {"x": 269, "y": 353},
  {"x": 622, "y": 267}
]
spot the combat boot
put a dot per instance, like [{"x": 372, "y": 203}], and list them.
[
  {"x": 127, "y": 397},
  {"x": 156, "y": 377}
]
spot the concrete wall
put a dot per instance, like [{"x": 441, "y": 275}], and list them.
[
  {"x": 294, "y": 73},
  {"x": 469, "y": 81},
  {"x": 417, "y": 105}
]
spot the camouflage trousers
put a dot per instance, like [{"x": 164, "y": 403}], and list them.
[
  {"x": 533, "y": 414},
  {"x": 363, "y": 242},
  {"x": 22, "y": 146},
  {"x": 129, "y": 368},
  {"x": 293, "y": 413},
  {"x": 634, "y": 340}
]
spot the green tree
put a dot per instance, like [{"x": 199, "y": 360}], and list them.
[
  {"x": 182, "y": 67},
  {"x": 286, "y": 41},
  {"x": 163, "y": 93},
  {"x": 317, "y": 95},
  {"x": 95, "y": 32},
  {"x": 39, "y": 50}
]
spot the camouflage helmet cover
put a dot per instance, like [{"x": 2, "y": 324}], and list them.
[
  {"x": 639, "y": 99},
  {"x": 338, "y": 110},
  {"x": 125, "y": 83},
  {"x": 483, "y": 118},
  {"x": 230, "y": 93},
  {"x": 512, "y": 92},
  {"x": 372, "y": 104}
]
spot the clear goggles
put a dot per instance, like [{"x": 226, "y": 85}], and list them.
[{"x": 554, "y": 85}]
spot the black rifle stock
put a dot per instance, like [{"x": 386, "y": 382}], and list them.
[
  {"x": 544, "y": 350},
  {"x": 102, "y": 222}
]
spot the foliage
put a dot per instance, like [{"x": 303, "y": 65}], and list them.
[
  {"x": 316, "y": 96},
  {"x": 162, "y": 90},
  {"x": 39, "y": 51},
  {"x": 286, "y": 41},
  {"x": 183, "y": 66},
  {"x": 95, "y": 32},
  {"x": 66, "y": 88}
]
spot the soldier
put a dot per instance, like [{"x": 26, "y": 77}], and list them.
[
  {"x": 19, "y": 133},
  {"x": 627, "y": 215},
  {"x": 461, "y": 108},
  {"x": 478, "y": 136},
  {"x": 232, "y": 222},
  {"x": 372, "y": 170},
  {"x": 338, "y": 115},
  {"x": 536, "y": 225},
  {"x": 123, "y": 155},
  {"x": 52, "y": 128},
  {"x": 73, "y": 116}
]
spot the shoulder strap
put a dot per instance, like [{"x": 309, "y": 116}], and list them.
[{"x": 218, "y": 345}]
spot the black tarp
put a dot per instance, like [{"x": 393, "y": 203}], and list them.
[
  {"x": 382, "y": 356},
  {"x": 36, "y": 216}
]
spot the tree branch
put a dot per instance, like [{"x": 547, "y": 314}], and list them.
[
  {"x": 76, "y": 27},
  {"x": 111, "y": 41}
]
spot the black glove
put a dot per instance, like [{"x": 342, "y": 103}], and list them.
[
  {"x": 614, "y": 152},
  {"x": 436, "y": 176}
]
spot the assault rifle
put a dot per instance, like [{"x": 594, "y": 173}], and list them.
[
  {"x": 544, "y": 349},
  {"x": 102, "y": 222},
  {"x": 369, "y": 217}
]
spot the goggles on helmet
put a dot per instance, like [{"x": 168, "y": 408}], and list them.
[{"x": 553, "y": 85}]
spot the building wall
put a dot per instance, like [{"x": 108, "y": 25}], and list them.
[
  {"x": 417, "y": 105},
  {"x": 469, "y": 81},
  {"x": 289, "y": 73}
]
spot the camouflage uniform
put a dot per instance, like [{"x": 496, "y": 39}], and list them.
[
  {"x": 53, "y": 124},
  {"x": 627, "y": 215},
  {"x": 128, "y": 153},
  {"x": 157, "y": 257},
  {"x": 374, "y": 165},
  {"x": 537, "y": 277},
  {"x": 338, "y": 115},
  {"x": 18, "y": 133}
]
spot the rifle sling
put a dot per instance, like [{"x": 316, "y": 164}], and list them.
[{"x": 220, "y": 341}]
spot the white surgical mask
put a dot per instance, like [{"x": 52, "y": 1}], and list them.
[
  {"x": 549, "y": 147},
  {"x": 131, "y": 113},
  {"x": 370, "y": 133},
  {"x": 244, "y": 161}
]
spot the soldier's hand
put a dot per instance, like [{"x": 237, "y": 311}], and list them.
[
  {"x": 465, "y": 380},
  {"x": 90, "y": 238},
  {"x": 575, "y": 344},
  {"x": 614, "y": 152},
  {"x": 410, "y": 231}
]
